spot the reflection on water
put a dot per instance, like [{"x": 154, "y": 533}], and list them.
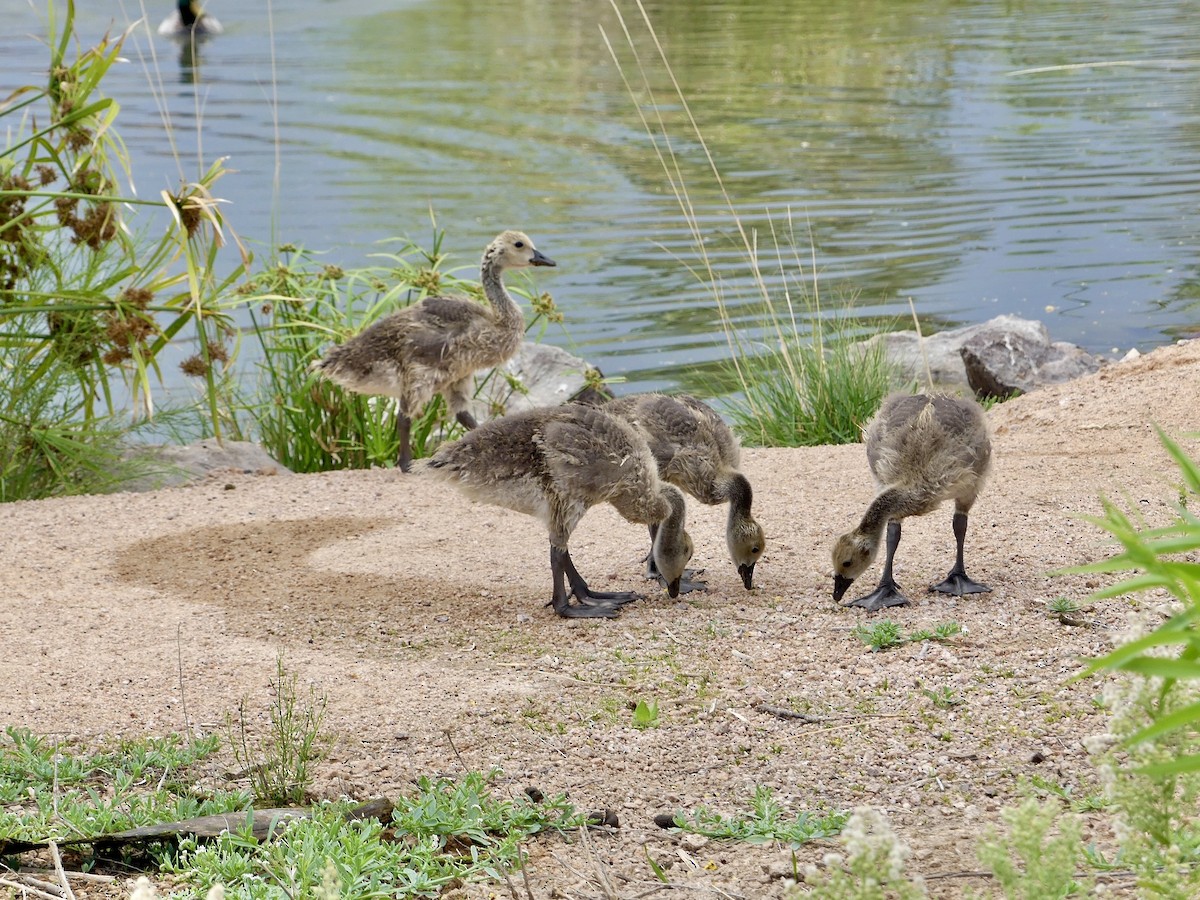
[{"x": 951, "y": 153}]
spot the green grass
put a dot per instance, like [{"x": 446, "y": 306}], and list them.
[
  {"x": 765, "y": 822},
  {"x": 58, "y": 792},
  {"x": 887, "y": 635},
  {"x": 809, "y": 389},
  {"x": 447, "y": 832}
]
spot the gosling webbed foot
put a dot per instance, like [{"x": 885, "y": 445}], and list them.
[
  {"x": 612, "y": 598},
  {"x": 958, "y": 583},
  {"x": 587, "y": 611},
  {"x": 887, "y": 594}
]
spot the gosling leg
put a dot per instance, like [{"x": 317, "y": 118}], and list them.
[
  {"x": 888, "y": 592},
  {"x": 563, "y": 570},
  {"x": 957, "y": 582},
  {"x": 466, "y": 420},
  {"x": 404, "y": 433}
]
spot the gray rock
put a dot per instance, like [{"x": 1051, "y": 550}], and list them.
[
  {"x": 539, "y": 375},
  {"x": 1001, "y": 363},
  {"x": 941, "y": 354},
  {"x": 167, "y": 465}
]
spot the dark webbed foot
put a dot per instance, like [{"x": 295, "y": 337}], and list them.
[
  {"x": 569, "y": 583},
  {"x": 582, "y": 611},
  {"x": 610, "y": 598},
  {"x": 887, "y": 594},
  {"x": 957, "y": 583}
]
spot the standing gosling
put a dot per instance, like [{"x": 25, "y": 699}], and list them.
[
  {"x": 696, "y": 451},
  {"x": 189, "y": 20},
  {"x": 557, "y": 462},
  {"x": 922, "y": 449},
  {"x": 435, "y": 346}
]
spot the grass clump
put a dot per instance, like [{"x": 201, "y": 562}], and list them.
[
  {"x": 808, "y": 389},
  {"x": 280, "y": 764},
  {"x": 59, "y": 792},
  {"x": 887, "y": 635},
  {"x": 1037, "y": 857},
  {"x": 445, "y": 833},
  {"x": 90, "y": 294},
  {"x": 765, "y": 822}
]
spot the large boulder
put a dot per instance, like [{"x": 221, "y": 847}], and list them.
[
  {"x": 1002, "y": 362},
  {"x": 167, "y": 465},
  {"x": 538, "y": 375},
  {"x": 1021, "y": 354}
]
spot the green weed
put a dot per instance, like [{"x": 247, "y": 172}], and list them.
[
  {"x": 887, "y": 635},
  {"x": 765, "y": 822},
  {"x": 280, "y": 764},
  {"x": 58, "y": 792}
]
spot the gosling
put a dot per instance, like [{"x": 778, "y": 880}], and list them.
[
  {"x": 555, "y": 463},
  {"x": 922, "y": 449},
  {"x": 436, "y": 345},
  {"x": 696, "y": 451}
]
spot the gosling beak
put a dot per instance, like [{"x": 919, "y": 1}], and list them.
[
  {"x": 746, "y": 570},
  {"x": 673, "y": 587},
  {"x": 840, "y": 586},
  {"x": 540, "y": 259}
]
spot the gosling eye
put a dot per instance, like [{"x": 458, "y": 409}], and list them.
[
  {"x": 756, "y": 549},
  {"x": 519, "y": 244},
  {"x": 845, "y": 564}
]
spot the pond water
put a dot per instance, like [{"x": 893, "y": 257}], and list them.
[{"x": 970, "y": 158}]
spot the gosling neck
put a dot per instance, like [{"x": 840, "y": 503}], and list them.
[
  {"x": 890, "y": 504},
  {"x": 735, "y": 488},
  {"x": 671, "y": 529},
  {"x": 491, "y": 277}
]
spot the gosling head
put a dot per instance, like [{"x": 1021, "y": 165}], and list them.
[
  {"x": 746, "y": 544},
  {"x": 852, "y": 554},
  {"x": 673, "y": 546},
  {"x": 514, "y": 250}
]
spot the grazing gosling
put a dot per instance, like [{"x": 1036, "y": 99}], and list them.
[
  {"x": 922, "y": 449},
  {"x": 189, "y": 20},
  {"x": 435, "y": 346},
  {"x": 555, "y": 463},
  {"x": 696, "y": 451}
]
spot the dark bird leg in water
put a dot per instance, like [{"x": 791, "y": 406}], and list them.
[
  {"x": 691, "y": 577},
  {"x": 562, "y": 571},
  {"x": 888, "y": 592},
  {"x": 957, "y": 582},
  {"x": 403, "y": 429}
]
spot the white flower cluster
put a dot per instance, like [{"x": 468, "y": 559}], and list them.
[{"x": 143, "y": 889}]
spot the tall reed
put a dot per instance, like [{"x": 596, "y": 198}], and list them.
[{"x": 796, "y": 377}]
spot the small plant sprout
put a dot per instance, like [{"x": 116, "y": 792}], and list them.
[
  {"x": 280, "y": 765},
  {"x": 887, "y": 635},
  {"x": 943, "y": 697},
  {"x": 881, "y": 636},
  {"x": 645, "y": 714}
]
